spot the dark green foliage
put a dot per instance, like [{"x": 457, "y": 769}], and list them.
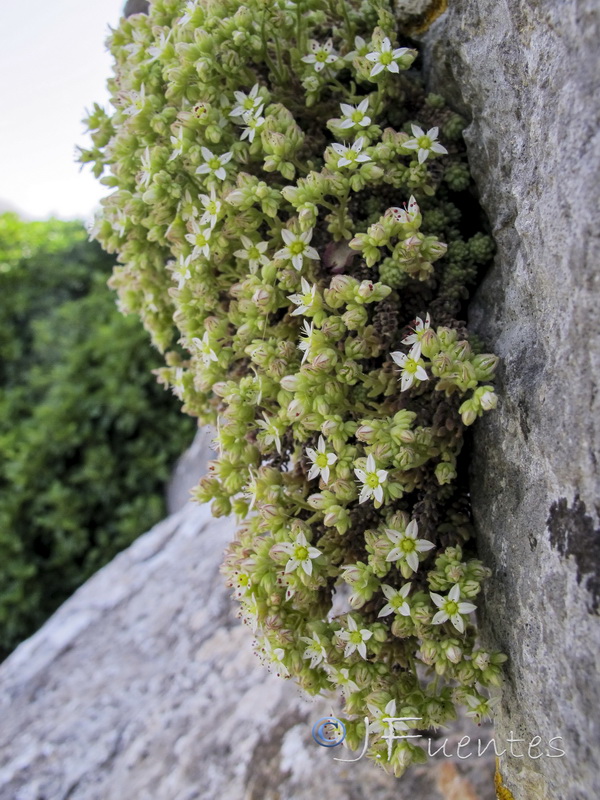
[{"x": 87, "y": 436}]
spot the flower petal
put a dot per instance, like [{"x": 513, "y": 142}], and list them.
[
  {"x": 412, "y": 559},
  {"x": 458, "y": 622},
  {"x": 454, "y": 593}
]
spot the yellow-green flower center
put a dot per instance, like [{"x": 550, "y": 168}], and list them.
[
  {"x": 386, "y": 58},
  {"x": 301, "y": 553},
  {"x": 451, "y": 608},
  {"x": 424, "y": 142},
  {"x": 296, "y": 248},
  {"x": 321, "y": 460},
  {"x": 321, "y": 56},
  {"x": 357, "y": 116},
  {"x": 356, "y": 637},
  {"x": 306, "y": 299},
  {"x": 372, "y": 480},
  {"x": 214, "y": 163},
  {"x": 408, "y": 545},
  {"x": 253, "y": 253},
  {"x": 411, "y": 366}
]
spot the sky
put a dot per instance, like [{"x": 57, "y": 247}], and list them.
[{"x": 54, "y": 65}]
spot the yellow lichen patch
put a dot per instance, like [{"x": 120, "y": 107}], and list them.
[
  {"x": 502, "y": 793},
  {"x": 418, "y": 15}
]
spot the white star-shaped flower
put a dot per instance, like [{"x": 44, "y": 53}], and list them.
[
  {"x": 385, "y": 720},
  {"x": 240, "y": 582},
  {"x": 199, "y": 238},
  {"x": 271, "y": 432},
  {"x": 301, "y": 554},
  {"x": 297, "y": 247},
  {"x": 405, "y": 215},
  {"x": 480, "y": 707},
  {"x": 418, "y": 330},
  {"x": 355, "y": 116},
  {"x": 190, "y": 7},
  {"x": 177, "y": 142},
  {"x": 372, "y": 480},
  {"x": 213, "y": 165},
  {"x": 304, "y": 300},
  {"x": 355, "y": 639},
  {"x": 342, "y": 678},
  {"x": 182, "y": 270},
  {"x": 315, "y": 650},
  {"x": 276, "y": 655},
  {"x": 137, "y": 102},
  {"x": 253, "y": 122},
  {"x": 306, "y": 339},
  {"x": 249, "y": 611},
  {"x": 322, "y": 461},
  {"x": 321, "y": 54},
  {"x": 251, "y": 489},
  {"x": 351, "y": 154},
  {"x": 204, "y": 348},
  {"x": 157, "y": 50},
  {"x": 146, "y": 162},
  {"x": 407, "y": 546},
  {"x": 253, "y": 253},
  {"x": 396, "y": 600},
  {"x": 451, "y": 608},
  {"x": 385, "y": 58},
  {"x": 212, "y": 209},
  {"x": 425, "y": 143},
  {"x": 247, "y": 102},
  {"x": 411, "y": 366}
]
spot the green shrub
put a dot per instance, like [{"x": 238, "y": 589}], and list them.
[
  {"x": 282, "y": 193},
  {"x": 86, "y": 434}
]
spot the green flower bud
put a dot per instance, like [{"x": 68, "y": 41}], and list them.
[
  {"x": 445, "y": 473},
  {"x": 355, "y": 318}
]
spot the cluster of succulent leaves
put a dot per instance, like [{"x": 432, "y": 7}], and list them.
[
  {"x": 87, "y": 437},
  {"x": 272, "y": 198}
]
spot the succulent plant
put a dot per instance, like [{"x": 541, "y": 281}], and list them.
[{"x": 292, "y": 215}]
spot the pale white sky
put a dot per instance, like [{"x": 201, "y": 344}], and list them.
[{"x": 53, "y": 65}]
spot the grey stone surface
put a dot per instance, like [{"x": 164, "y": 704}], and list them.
[
  {"x": 190, "y": 467},
  {"x": 144, "y": 685},
  {"x": 136, "y": 7},
  {"x": 527, "y": 73}
]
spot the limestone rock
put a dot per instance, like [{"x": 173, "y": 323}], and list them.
[
  {"x": 136, "y": 7},
  {"x": 190, "y": 467},
  {"x": 144, "y": 685},
  {"x": 526, "y": 74}
]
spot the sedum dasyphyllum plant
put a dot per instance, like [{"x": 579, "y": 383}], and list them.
[{"x": 288, "y": 198}]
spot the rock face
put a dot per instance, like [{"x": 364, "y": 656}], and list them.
[
  {"x": 135, "y": 7},
  {"x": 144, "y": 685},
  {"x": 192, "y": 465},
  {"x": 526, "y": 72}
]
